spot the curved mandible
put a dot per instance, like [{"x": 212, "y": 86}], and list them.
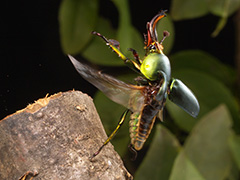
[{"x": 151, "y": 28}]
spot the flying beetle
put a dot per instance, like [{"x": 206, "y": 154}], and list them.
[{"x": 146, "y": 99}]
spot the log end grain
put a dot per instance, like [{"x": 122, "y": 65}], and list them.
[{"x": 55, "y": 138}]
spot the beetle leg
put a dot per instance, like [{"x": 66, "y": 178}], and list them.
[
  {"x": 114, "y": 45},
  {"x": 133, "y": 151},
  {"x": 163, "y": 89},
  {"x": 123, "y": 117},
  {"x": 136, "y": 57},
  {"x": 28, "y": 173},
  {"x": 141, "y": 81}
]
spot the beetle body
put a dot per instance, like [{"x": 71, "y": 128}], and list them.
[{"x": 146, "y": 100}]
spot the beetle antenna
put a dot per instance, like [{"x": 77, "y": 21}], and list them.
[{"x": 165, "y": 35}]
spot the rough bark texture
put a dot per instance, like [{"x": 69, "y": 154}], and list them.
[{"x": 55, "y": 137}]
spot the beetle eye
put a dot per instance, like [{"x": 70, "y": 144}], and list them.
[{"x": 152, "y": 47}]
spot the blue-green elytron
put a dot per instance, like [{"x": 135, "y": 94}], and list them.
[{"x": 146, "y": 99}]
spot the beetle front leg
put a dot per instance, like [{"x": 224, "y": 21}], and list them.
[
  {"x": 136, "y": 57},
  {"x": 114, "y": 45}
]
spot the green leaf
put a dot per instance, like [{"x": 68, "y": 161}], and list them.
[
  {"x": 127, "y": 35},
  {"x": 110, "y": 114},
  {"x": 206, "y": 154},
  {"x": 166, "y": 24},
  {"x": 158, "y": 162},
  {"x": 77, "y": 19},
  {"x": 184, "y": 169},
  {"x": 210, "y": 93},
  {"x": 202, "y": 61},
  {"x": 223, "y": 8},
  {"x": 188, "y": 9},
  {"x": 124, "y": 35},
  {"x": 234, "y": 143},
  {"x": 234, "y": 172},
  {"x": 137, "y": 43}
]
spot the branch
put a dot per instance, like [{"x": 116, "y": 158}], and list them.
[{"x": 54, "y": 138}]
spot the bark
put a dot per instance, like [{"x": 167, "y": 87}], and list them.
[{"x": 54, "y": 138}]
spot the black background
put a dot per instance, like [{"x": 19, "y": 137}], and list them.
[{"x": 32, "y": 63}]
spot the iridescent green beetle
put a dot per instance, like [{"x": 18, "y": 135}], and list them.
[{"x": 146, "y": 100}]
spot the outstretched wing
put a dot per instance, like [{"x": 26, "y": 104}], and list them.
[{"x": 118, "y": 91}]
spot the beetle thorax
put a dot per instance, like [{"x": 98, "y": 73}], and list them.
[{"x": 153, "y": 63}]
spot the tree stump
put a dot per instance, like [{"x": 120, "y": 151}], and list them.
[{"x": 54, "y": 138}]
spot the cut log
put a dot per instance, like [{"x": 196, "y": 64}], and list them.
[{"x": 54, "y": 138}]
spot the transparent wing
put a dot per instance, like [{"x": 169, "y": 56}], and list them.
[{"x": 118, "y": 91}]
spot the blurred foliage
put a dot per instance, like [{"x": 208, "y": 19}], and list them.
[
  {"x": 210, "y": 147},
  {"x": 188, "y": 9},
  {"x": 77, "y": 19},
  {"x": 206, "y": 149}
]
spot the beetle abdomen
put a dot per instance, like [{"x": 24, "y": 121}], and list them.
[
  {"x": 141, "y": 125},
  {"x": 133, "y": 125}
]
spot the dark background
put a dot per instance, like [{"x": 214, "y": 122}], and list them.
[{"x": 32, "y": 63}]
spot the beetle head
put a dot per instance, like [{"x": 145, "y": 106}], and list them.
[{"x": 151, "y": 38}]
